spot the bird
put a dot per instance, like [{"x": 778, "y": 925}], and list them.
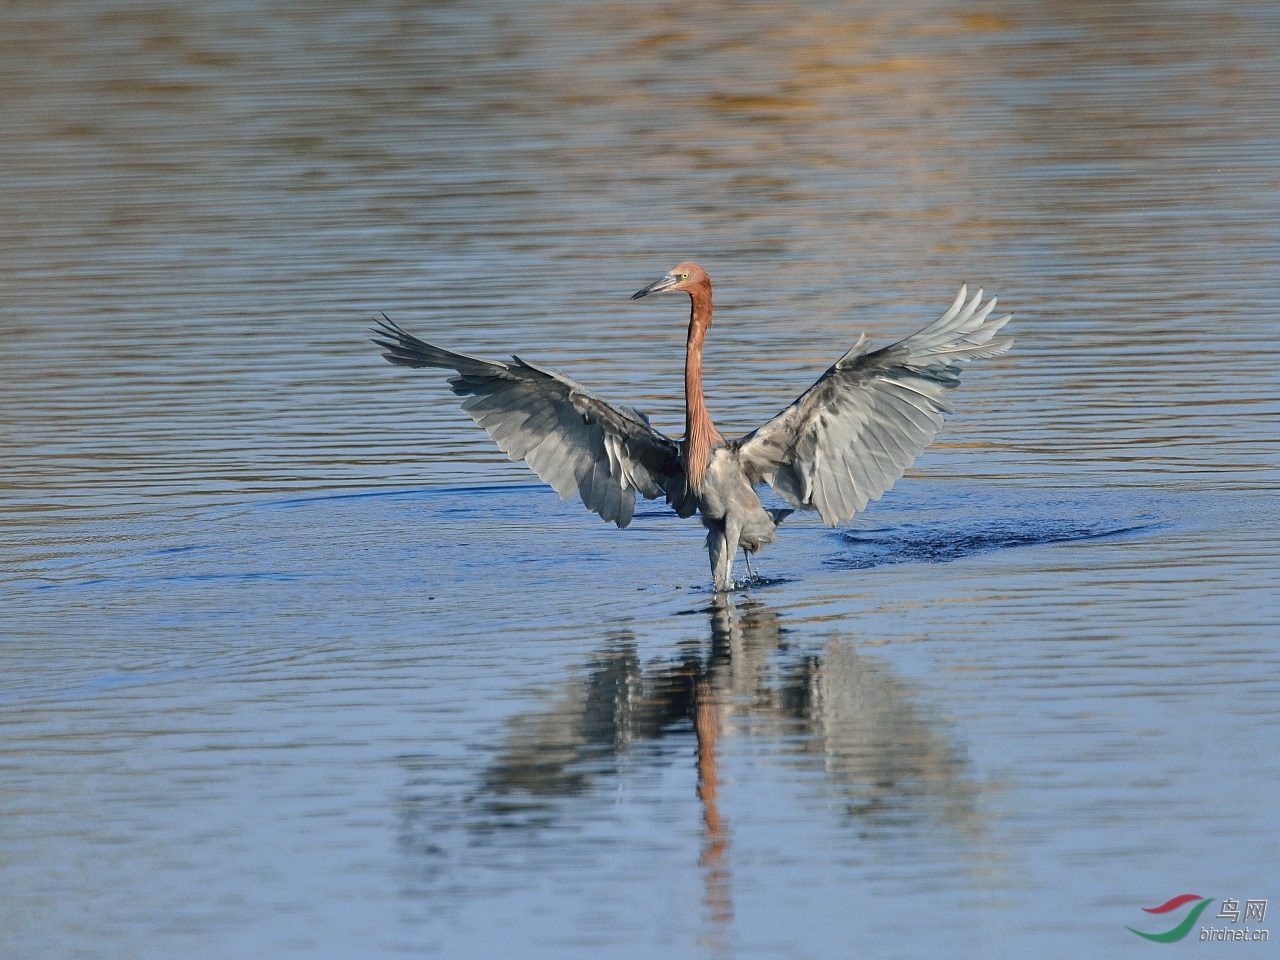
[{"x": 841, "y": 443}]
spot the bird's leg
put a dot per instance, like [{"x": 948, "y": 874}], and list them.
[
  {"x": 732, "y": 539},
  {"x": 746, "y": 557},
  {"x": 721, "y": 556}
]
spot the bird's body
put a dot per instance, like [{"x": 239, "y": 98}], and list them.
[
  {"x": 732, "y": 513},
  {"x": 843, "y": 442}
]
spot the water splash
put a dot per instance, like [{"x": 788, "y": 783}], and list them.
[{"x": 981, "y": 523}]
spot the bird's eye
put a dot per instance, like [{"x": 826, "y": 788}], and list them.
[{"x": 684, "y": 276}]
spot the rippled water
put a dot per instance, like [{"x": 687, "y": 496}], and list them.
[{"x": 297, "y": 665}]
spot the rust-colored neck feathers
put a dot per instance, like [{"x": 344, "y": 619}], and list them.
[{"x": 700, "y": 433}]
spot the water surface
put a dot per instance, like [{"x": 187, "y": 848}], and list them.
[{"x": 298, "y": 665}]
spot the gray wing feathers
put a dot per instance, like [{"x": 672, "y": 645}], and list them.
[
  {"x": 962, "y": 333},
  {"x": 851, "y": 435},
  {"x": 573, "y": 440}
]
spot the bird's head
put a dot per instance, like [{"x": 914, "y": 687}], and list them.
[{"x": 683, "y": 276}]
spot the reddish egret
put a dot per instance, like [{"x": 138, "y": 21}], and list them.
[{"x": 843, "y": 442}]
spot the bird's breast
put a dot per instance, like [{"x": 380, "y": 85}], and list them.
[{"x": 723, "y": 486}]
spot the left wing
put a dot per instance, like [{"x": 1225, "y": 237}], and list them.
[{"x": 850, "y": 436}]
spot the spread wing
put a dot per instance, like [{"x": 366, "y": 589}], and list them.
[
  {"x": 572, "y": 439},
  {"x": 854, "y": 432}
]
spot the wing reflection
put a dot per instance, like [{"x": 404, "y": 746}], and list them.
[{"x": 882, "y": 753}]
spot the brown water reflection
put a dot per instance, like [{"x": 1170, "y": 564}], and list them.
[{"x": 190, "y": 189}]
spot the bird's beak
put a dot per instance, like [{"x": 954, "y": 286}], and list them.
[{"x": 666, "y": 283}]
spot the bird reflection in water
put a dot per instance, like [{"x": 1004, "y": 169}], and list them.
[{"x": 887, "y": 764}]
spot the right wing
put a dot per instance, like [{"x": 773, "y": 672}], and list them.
[{"x": 571, "y": 439}]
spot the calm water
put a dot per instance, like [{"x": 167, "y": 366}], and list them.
[{"x": 296, "y": 665}]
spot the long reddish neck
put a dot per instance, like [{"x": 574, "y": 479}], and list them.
[{"x": 699, "y": 432}]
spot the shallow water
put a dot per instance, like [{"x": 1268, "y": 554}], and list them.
[{"x": 297, "y": 665}]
